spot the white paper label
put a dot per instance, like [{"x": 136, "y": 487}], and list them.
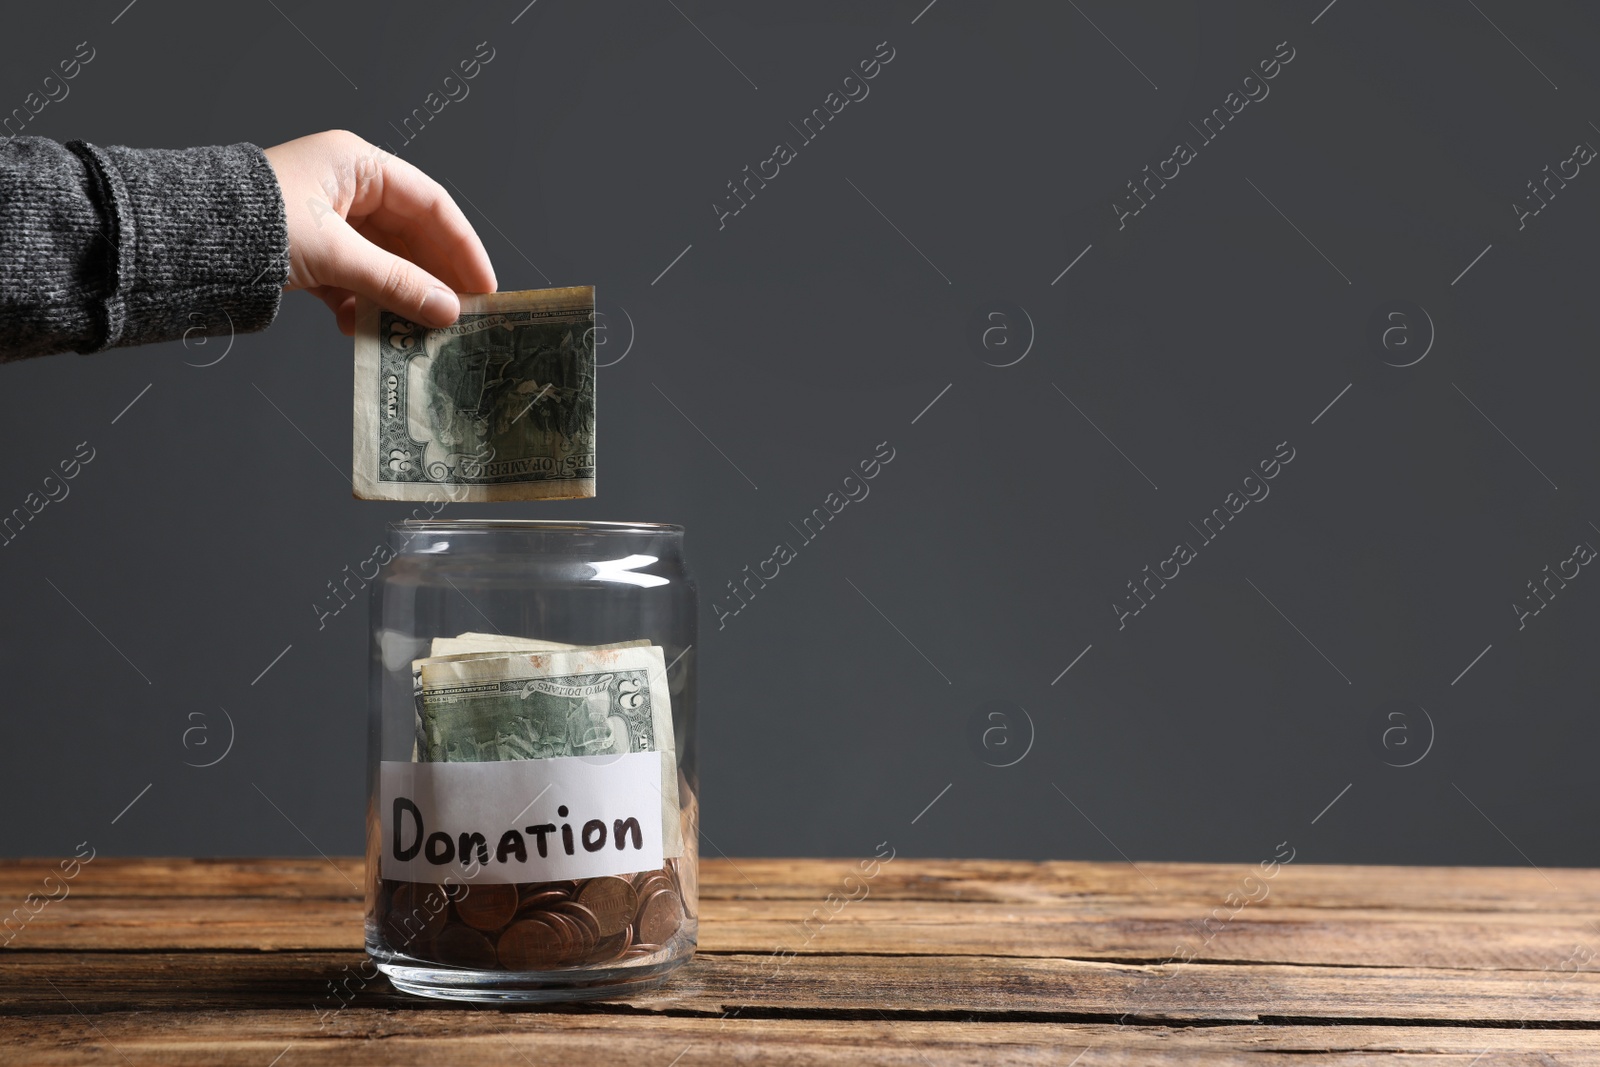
[{"x": 537, "y": 820}]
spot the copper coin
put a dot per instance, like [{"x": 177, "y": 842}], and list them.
[
  {"x": 538, "y": 901},
  {"x": 651, "y": 889},
  {"x": 529, "y": 945},
  {"x": 610, "y": 948},
  {"x": 654, "y": 882},
  {"x": 574, "y": 941},
  {"x": 613, "y": 901},
  {"x": 487, "y": 907},
  {"x": 587, "y": 929},
  {"x": 570, "y": 930},
  {"x": 583, "y": 915},
  {"x": 460, "y": 947},
  {"x": 417, "y": 911},
  {"x": 659, "y": 917},
  {"x": 636, "y": 951}
]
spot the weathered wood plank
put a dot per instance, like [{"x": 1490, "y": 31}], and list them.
[
  {"x": 940, "y": 962},
  {"x": 1498, "y": 889},
  {"x": 1285, "y": 934},
  {"x": 161, "y": 876},
  {"x": 487, "y": 1038},
  {"x": 1417, "y": 938},
  {"x": 997, "y": 988}
]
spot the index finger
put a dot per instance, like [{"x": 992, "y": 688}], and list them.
[{"x": 399, "y": 190}]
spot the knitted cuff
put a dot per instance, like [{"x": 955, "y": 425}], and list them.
[{"x": 196, "y": 240}]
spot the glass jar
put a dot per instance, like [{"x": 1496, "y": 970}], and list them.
[{"x": 532, "y": 827}]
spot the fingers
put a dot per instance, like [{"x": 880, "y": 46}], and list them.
[
  {"x": 356, "y": 264},
  {"x": 409, "y": 202},
  {"x": 391, "y": 234},
  {"x": 385, "y": 228}
]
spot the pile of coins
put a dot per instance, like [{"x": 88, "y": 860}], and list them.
[{"x": 534, "y": 926}]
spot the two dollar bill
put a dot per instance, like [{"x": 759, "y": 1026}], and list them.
[{"x": 497, "y": 406}]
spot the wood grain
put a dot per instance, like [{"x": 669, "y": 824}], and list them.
[
  {"x": 1350, "y": 937},
  {"x": 227, "y": 961},
  {"x": 968, "y": 986},
  {"x": 518, "y": 1039},
  {"x": 1497, "y": 889}
]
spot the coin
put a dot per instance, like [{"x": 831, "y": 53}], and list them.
[
  {"x": 582, "y": 915},
  {"x": 641, "y": 950},
  {"x": 575, "y": 942},
  {"x": 659, "y": 917},
  {"x": 461, "y": 947},
  {"x": 538, "y": 925},
  {"x": 653, "y": 882},
  {"x": 416, "y": 912},
  {"x": 539, "y": 901},
  {"x": 529, "y": 945},
  {"x": 613, "y": 902},
  {"x": 488, "y": 907},
  {"x": 612, "y": 947}
]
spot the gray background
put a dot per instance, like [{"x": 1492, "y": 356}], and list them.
[{"x": 1261, "y": 685}]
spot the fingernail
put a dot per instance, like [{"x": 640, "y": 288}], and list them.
[{"x": 439, "y": 306}]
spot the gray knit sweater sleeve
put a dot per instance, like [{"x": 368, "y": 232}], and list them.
[{"x": 102, "y": 247}]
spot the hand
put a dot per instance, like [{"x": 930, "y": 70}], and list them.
[{"x": 363, "y": 221}]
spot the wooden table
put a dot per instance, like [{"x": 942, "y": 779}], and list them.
[{"x": 259, "y": 962}]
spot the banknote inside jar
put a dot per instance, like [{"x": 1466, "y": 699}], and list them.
[{"x": 535, "y": 926}]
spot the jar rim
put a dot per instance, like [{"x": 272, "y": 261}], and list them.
[{"x": 577, "y": 525}]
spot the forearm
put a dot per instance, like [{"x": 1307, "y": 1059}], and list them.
[{"x": 103, "y": 247}]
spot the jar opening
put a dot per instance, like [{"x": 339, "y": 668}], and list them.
[{"x": 467, "y": 525}]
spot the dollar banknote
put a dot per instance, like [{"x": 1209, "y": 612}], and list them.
[
  {"x": 498, "y": 406},
  {"x": 473, "y": 645},
  {"x": 604, "y": 701},
  {"x": 478, "y": 643},
  {"x": 539, "y": 705}
]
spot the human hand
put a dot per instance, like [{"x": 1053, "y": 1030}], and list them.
[{"x": 363, "y": 221}]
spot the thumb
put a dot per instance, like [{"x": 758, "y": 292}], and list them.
[{"x": 392, "y": 282}]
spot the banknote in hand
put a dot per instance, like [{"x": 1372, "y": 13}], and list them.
[{"x": 497, "y": 406}]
